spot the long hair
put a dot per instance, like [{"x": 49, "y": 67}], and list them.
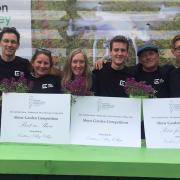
[{"x": 67, "y": 71}]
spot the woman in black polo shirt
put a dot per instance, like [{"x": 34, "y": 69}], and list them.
[{"x": 43, "y": 80}]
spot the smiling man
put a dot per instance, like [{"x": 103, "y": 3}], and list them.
[
  {"x": 10, "y": 64},
  {"x": 110, "y": 80},
  {"x": 148, "y": 70},
  {"x": 175, "y": 74}
]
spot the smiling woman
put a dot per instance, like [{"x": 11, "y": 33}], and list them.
[
  {"x": 43, "y": 80},
  {"x": 76, "y": 74}
]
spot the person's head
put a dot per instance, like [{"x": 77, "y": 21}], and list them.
[
  {"x": 149, "y": 57},
  {"x": 41, "y": 62},
  {"x": 119, "y": 46},
  {"x": 9, "y": 42},
  {"x": 176, "y": 48},
  {"x": 76, "y": 65}
]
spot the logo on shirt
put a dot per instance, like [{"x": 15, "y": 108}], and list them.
[
  {"x": 122, "y": 83},
  {"x": 158, "y": 81},
  {"x": 18, "y": 73},
  {"x": 45, "y": 86}
]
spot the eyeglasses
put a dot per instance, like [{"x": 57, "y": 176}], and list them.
[
  {"x": 39, "y": 50},
  {"x": 9, "y": 41},
  {"x": 177, "y": 48},
  {"x": 119, "y": 49}
]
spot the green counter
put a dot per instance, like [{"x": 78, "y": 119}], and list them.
[{"x": 88, "y": 160}]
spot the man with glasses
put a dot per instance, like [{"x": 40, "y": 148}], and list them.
[
  {"x": 10, "y": 64},
  {"x": 110, "y": 80},
  {"x": 175, "y": 74}
]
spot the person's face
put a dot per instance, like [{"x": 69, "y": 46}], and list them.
[
  {"x": 119, "y": 54},
  {"x": 176, "y": 50},
  {"x": 149, "y": 60},
  {"x": 41, "y": 65},
  {"x": 78, "y": 64},
  {"x": 9, "y": 44}
]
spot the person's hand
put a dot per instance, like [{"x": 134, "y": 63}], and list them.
[{"x": 99, "y": 64}]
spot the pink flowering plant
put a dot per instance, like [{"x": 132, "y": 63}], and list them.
[
  {"x": 77, "y": 87},
  {"x": 139, "y": 89},
  {"x": 22, "y": 85}
]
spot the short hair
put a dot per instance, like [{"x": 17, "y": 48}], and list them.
[
  {"x": 174, "y": 40},
  {"x": 9, "y": 30},
  {"x": 121, "y": 39}
]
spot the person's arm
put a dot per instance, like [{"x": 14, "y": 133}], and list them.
[{"x": 99, "y": 63}]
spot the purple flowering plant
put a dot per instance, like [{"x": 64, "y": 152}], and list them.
[
  {"x": 77, "y": 87},
  {"x": 139, "y": 89},
  {"x": 22, "y": 85}
]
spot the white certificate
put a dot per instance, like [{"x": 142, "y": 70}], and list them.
[
  {"x": 162, "y": 122},
  {"x": 105, "y": 121},
  {"x": 35, "y": 118}
]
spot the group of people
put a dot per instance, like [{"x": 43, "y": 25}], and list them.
[
  {"x": 111, "y": 76},
  {"x": 38, "y": 70},
  {"x": 108, "y": 79}
]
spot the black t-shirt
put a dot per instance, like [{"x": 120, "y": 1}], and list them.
[
  {"x": 16, "y": 68},
  {"x": 174, "y": 86},
  {"x": 46, "y": 84},
  {"x": 110, "y": 82},
  {"x": 158, "y": 79}
]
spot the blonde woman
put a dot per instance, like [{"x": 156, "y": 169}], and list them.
[{"x": 76, "y": 74}]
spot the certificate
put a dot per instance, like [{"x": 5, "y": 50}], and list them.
[
  {"x": 105, "y": 121},
  {"x": 162, "y": 122},
  {"x": 35, "y": 118}
]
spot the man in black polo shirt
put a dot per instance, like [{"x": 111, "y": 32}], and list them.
[
  {"x": 148, "y": 70},
  {"x": 10, "y": 64},
  {"x": 110, "y": 80},
  {"x": 175, "y": 74}
]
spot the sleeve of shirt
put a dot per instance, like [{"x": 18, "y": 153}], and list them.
[
  {"x": 27, "y": 68},
  {"x": 173, "y": 85}
]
